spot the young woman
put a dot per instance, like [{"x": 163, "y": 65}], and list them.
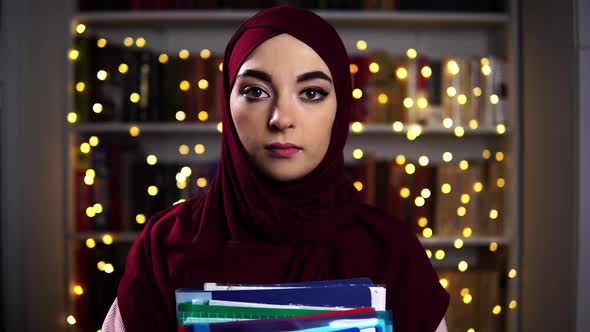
[{"x": 280, "y": 208}]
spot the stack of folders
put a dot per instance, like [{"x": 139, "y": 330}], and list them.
[{"x": 354, "y": 305}]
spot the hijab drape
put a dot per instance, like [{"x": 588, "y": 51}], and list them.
[{"x": 249, "y": 228}]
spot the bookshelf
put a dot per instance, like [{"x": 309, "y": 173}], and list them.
[{"x": 435, "y": 34}]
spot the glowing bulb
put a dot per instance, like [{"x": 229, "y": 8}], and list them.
[
  {"x": 422, "y": 222},
  {"x": 202, "y": 182},
  {"x": 494, "y": 99},
  {"x": 500, "y": 129},
  {"x": 425, "y": 193},
  {"x": 80, "y": 28},
  {"x": 464, "y": 165},
  {"x": 357, "y": 153},
  {"x": 463, "y": 266},
  {"x": 97, "y": 108},
  {"x": 486, "y": 70},
  {"x": 429, "y": 253},
  {"x": 361, "y": 45},
  {"x": 374, "y": 67},
  {"x": 486, "y": 154},
  {"x": 410, "y": 168},
  {"x": 181, "y": 184},
  {"x": 408, "y": 102},
  {"x": 447, "y": 157},
  {"x": 123, "y": 68},
  {"x": 203, "y": 84},
  {"x": 512, "y": 274},
  {"x": 357, "y": 93},
  {"x": 461, "y": 211},
  {"x": 100, "y": 265},
  {"x": 183, "y": 54},
  {"x": 183, "y": 149},
  {"x": 473, "y": 124},
  {"x": 108, "y": 268},
  {"x": 219, "y": 127},
  {"x": 73, "y": 55},
  {"x": 107, "y": 239},
  {"x": 401, "y": 73},
  {"x": 512, "y": 304},
  {"x": 477, "y": 187},
  {"x": 459, "y": 131},
  {"x": 186, "y": 171},
  {"x": 426, "y": 71},
  {"x": 493, "y": 246},
  {"x": 447, "y": 123},
  {"x": 184, "y": 85},
  {"x": 134, "y": 131},
  {"x": 444, "y": 282},
  {"x": 493, "y": 214},
  {"x": 102, "y": 75},
  {"x": 484, "y": 61},
  {"x": 135, "y": 97},
  {"x": 423, "y": 161},
  {"x": 445, "y": 188},
  {"x": 467, "y": 232},
  {"x": 152, "y": 190},
  {"x": 497, "y": 310},
  {"x": 477, "y": 91},
  {"x": 221, "y": 66},
  {"x": 199, "y": 149},
  {"x": 354, "y": 68},
  {"x": 358, "y": 185},
  {"x": 90, "y": 173},
  {"x": 72, "y": 117},
  {"x": 422, "y": 103},
  {"x": 80, "y": 86},
  {"x": 411, "y": 53},
  {"x": 427, "y": 232},
  {"x": 357, "y": 127},
  {"x": 90, "y": 243},
  {"x": 499, "y": 156},
  {"x": 404, "y": 192},
  {"x": 71, "y": 320},
  {"x": 398, "y": 126},
  {"x": 128, "y": 41},
  {"x": 203, "y": 116},
  {"x": 453, "y": 67},
  {"x": 451, "y": 91},
  {"x": 465, "y": 198},
  {"x": 101, "y": 42},
  {"x": 419, "y": 201},
  {"x": 85, "y": 148},
  {"x": 382, "y": 99},
  {"x": 97, "y": 208},
  {"x": 500, "y": 182},
  {"x": 205, "y": 54},
  {"x": 163, "y": 58},
  {"x": 458, "y": 243},
  {"x": 467, "y": 298},
  {"x": 180, "y": 116},
  {"x": 462, "y": 99},
  {"x": 140, "y": 219},
  {"x": 439, "y": 254}
]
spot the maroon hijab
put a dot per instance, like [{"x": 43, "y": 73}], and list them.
[{"x": 249, "y": 228}]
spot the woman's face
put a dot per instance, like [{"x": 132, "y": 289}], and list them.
[{"x": 283, "y": 105}]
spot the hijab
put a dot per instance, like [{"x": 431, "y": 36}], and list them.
[{"x": 250, "y": 228}]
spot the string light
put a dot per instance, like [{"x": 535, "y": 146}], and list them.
[
  {"x": 183, "y": 54},
  {"x": 85, "y": 148},
  {"x": 461, "y": 211},
  {"x": 453, "y": 67},
  {"x": 361, "y": 45},
  {"x": 444, "y": 283},
  {"x": 422, "y": 222},
  {"x": 486, "y": 70},
  {"x": 425, "y": 193},
  {"x": 184, "y": 85},
  {"x": 408, "y": 102},
  {"x": 90, "y": 243},
  {"x": 135, "y": 97},
  {"x": 71, "y": 320},
  {"x": 163, "y": 58},
  {"x": 203, "y": 84},
  {"x": 183, "y": 149},
  {"x": 512, "y": 273},
  {"x": 500, "y": 129},
  {"x": 102, "y": 75},
  {"x": 404, "y": 192},
  {"x": 152, "y": 190},
  {"x": 80, "y": 28},
  {"x": 422, "y": 103},
  {"x": 353, "y": 68},
  {"x": 464, "y": 165},
  {"x": 410, "y": 168},
  {"x": 397, "y": 126},
  {"x": 357, "y": 153},
  {"x": 97, "y": 108},
  {"x": 458, "y": 243},
  {"x": 219, "y": 127},
  {"x": 459, "y": 131},
  {"x": 493, "y": 214},
  {"x": 500, "y": 182},
  {"x": 93, "y": 141},
  {"x": 447, "y": 123},
  {"x": 205, "y": 53},
  {"x": 447, "y": 157},
  {"x": 467, "y": 232},
  {"x": 128, "y": 41},
  {"x": 72, "y": 117},
  {"x": 358, "y": 185},
  {"x": 439, "y": 254},
  {"x": 101, "y": 42},
  {"x": 462, "y": 99},
  {"x": 97, "y": 208},
  {"x": 493, "y": 246},
  {"x": 423, "y": 161},
  {"x": 180, "y": 116},
  {"x": 356, "y": 127},
  {"x": 199, "y": 149},
  {"x": 445, "y": 188},
  {"x": 426, "y": 71},
  {"x": 477, "y": 187},
  {"x": 140, "y": 42},
  {"x": 134, "y": 131},
  {"x": 463, "y": 266},
  {"x": 419, "y": 201},
  {"x": 374, "y": 67},
  {"x": 80, "y": 86},
  {"x": 451, "y": 91},
  {"x": 497, "y": 310},
  {"x": 152, "y": 159},
  {"x": 473, "y": 124},
  {"x": 512, "y": 304},
  {"x": 78, "y": 290},
  {"x": 494, "y": 99},
  {"x": 107, "y": 239},
  {"x": 465, "y": 198},
  {"x": 357, "y": 93},
  {"x": 140, "y": 219},
  {"x": 401, "y": 73},
  {"x": 203, "y": 116},
  {"x": 427, "y": 232},
  {"x": 123, "y": 68},
  {"x": 499, "y": 156},
  {"x": 486, "y": 154},
  {"x": 382, "y": 99},
  {"x": 202, "y": 183},
  {"x": 411, "y": 53},
  {"x": 108, "y": 268}
]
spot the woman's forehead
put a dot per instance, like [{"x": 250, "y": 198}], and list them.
[{"x": 284, "y": 55}]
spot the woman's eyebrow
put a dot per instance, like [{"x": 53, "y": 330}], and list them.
[
  {"x": 256, "y": 74},
  {"x": 313, "y": 75}
]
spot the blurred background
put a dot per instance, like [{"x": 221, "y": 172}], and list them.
[{"x": 467, "y": 124}]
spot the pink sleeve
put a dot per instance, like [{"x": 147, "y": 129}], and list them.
[{"x": 113, "y": 321}]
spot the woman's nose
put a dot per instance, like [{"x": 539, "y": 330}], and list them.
[{"x": 283, "y": 114}]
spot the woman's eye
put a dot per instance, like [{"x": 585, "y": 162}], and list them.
[
  {"x": 253, "y": 92},
  {"x": 315, "y": 94}
]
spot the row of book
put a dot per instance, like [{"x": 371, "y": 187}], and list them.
[
  {"x": 114, "y": 83},
  {"x": 117, "y": 176},
  {"x": 424, "y": 5}
]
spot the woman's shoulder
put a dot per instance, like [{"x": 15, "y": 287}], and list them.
[{"x": 382, "y": 220}]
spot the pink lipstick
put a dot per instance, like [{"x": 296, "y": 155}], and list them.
[{"x": 282, "y": 150}]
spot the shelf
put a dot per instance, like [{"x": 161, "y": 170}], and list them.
[
  {"x": 370, "y": 18},
  {"x": 482, "y": 241},
  {"x": 208, "y": 128}
]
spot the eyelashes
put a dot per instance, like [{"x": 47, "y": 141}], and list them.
[{"x": 311, "y": 95}]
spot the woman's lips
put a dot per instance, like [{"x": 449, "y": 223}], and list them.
[{"x": 282, "y": 150}]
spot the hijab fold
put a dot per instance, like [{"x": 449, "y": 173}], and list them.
[{"x": 249, "y": 228}]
